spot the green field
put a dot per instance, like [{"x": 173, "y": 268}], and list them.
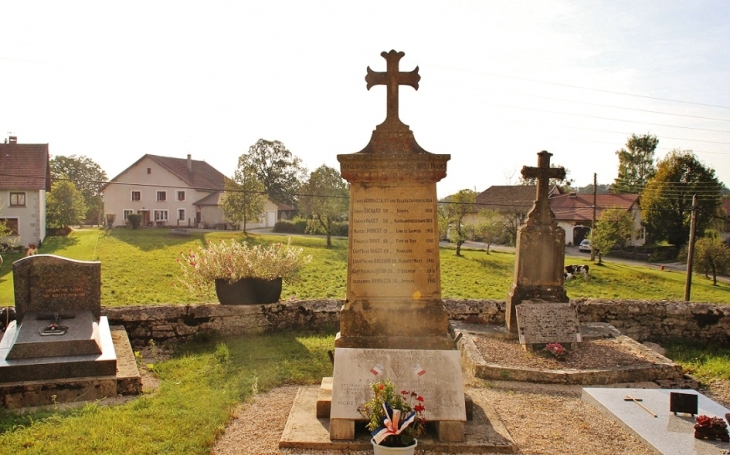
[{"x": 139, "y": 267}]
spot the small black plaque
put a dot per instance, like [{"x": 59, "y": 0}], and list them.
[{"x": 683, "y": 402}]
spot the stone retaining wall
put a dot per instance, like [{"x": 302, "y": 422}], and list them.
[{"x": 642, "y": 320}]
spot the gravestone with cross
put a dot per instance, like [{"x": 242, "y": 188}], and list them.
[
  {"x": 540, "y": 252},
  {"x": 393, "y": 324},
  {"x": 59, "y": 332}
]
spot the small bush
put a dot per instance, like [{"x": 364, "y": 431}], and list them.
[{"x": 135, "y": 219}]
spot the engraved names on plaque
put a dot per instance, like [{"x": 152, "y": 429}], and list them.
[
  {"x": 394, "y": 244},
  {"x": 541, "y": 323}
]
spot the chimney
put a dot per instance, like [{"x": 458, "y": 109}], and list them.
[
  {"x": 190, "y": 163},
  {"x": 13, "y": 139}
]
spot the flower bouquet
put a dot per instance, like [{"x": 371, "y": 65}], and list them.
[
  {"x": 557, "y": 350},
  {"x": 711, "y": 428},
  {"x": 394, "y": 419}
]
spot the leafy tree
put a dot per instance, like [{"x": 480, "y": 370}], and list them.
[
  {"x": 667, "y": 200},
  {"x": 614, "y": 226},
  {"x": 711, "y": 255},
  {"x": 454, "y": 211},
  {"x": 277, "y": 168},
  {"x": 489, "y": 227},
  {"x": 635, "y": 165},
  {"x": 65, "y": 205},
  {"x": 325, "y": 200},
  {"x": 244, "y": 196},
  {"x": 87, "y": 176}
]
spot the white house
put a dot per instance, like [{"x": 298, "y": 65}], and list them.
[
  {"x": 165, "y": 191},
  {"x": 25, "y": 177}
]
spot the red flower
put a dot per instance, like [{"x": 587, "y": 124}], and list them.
[
  {"x": 404, "y": 392},
  {"x": 419, "y": 408},
  {"x": 420, "y": 398}
]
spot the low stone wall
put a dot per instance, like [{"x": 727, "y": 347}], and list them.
[{"x": 641, "y": 320}]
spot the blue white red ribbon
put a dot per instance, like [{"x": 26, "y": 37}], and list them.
[{"x": 392, "y": 424}]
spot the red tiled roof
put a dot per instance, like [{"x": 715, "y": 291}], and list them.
[
  {"x": 203, "y": 177},
  {"x": 579, "y": 207},
  {"x": 506, "y": 197},
  {"x": 24, "y": 166}
]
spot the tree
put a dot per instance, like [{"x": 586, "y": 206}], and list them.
[
  {"x": 490, "y": 227},
  {"x": 65, "y": 205},
  {"x": 635, "y": 165},
  {"x": 244, "y": 196},
  {"x": 325, "y": 200},
  {"x": 87, "y": 176},
  {"x": 614, "y": 226},
  {"x": 711, "y": 255},
  {"x": 453, "y": 211},
  {"x": 277, "y": 168},
  {"x": 667, "y": 200}
]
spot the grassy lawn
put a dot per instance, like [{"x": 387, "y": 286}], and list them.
[
  {"x": 139, "y": 267},
  {"x": 199, "y": 387}
]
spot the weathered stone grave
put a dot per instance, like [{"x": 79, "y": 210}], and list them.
[
  {"x": 543, "y": 323},
  {"x": 394, "y": 322},
  {"x": 60, "y": 348},
  {"x": 540, "y": 252}
]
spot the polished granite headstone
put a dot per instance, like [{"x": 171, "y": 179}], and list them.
[{"x": 59, "y": 332}]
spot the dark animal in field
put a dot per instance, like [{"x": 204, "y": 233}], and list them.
[
  {"x": 576, "y": 269},
  {"x": 568, "y": 276},
  {"x": 7, "y": 314}
]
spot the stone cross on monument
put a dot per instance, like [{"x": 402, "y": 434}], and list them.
[
  {"x": 392, "y": 78},
  {"x": 541, "y": 212},
  {"x": 540, "y": 257}
]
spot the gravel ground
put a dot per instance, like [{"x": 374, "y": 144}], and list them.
[{"x": 543, "y": 419}]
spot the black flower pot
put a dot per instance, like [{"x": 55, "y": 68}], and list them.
[{"x": 248, "y": 291}]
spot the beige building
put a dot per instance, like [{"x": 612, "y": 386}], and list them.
[
  {"x": 165, "y": 191},
  {"x": 24, "y": 180}
]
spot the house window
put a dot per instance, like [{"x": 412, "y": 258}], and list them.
[
  {"x": 17, "y": 199},
  {"x": 641, "y": 234},
  {"x": 127, "y": 213},
  {"x": 181, "y": 214},
  {"x": 161, "y": 196},
  {"x": 11, "y": 224},
  {"x": 136, "y": 195},
  {"x": 160, "y": 215},
  {"x": 181, "y": 195},
  {"x": 149, "y": 170}
]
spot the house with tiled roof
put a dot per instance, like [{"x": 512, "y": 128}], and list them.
[
  {"x": 166, "y": 192},
  {"x": 514, "y": 202},
  {"x": 25, "y": 177},
  {"x": 574, "y": 213}
]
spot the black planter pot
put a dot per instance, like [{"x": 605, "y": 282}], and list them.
[{"x": 248, "y": 291}]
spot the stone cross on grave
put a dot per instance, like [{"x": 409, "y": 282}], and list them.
[
  {"x": 541, "y": 213},
  {"x": 392, "y": 78}
]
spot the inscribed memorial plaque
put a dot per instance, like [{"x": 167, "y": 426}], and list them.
[
  {"x": 433, "y": 374},
  {"x": 540, "y": 323}
]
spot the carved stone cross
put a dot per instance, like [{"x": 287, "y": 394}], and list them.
[
  {"x": 541, "y": 212},
  {"x": 392, "y": 78}
]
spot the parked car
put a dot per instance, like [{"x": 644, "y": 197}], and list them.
[{"x": 585, "y": 246}]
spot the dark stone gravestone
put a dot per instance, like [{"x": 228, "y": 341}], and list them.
[{"x": 59, "y": 332}]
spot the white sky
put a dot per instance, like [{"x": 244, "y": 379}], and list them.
[{"x": 500, "y": 80}]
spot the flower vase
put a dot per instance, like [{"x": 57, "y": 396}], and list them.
[
  {"x": 384, "y": 450},
  {"x": 248, "y": 291}
]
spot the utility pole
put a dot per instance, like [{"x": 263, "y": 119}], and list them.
[
  {"x": 593, "y": 226},
  {"x": 691, "y": 249}
]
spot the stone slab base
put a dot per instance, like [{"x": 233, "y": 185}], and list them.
[
  {"x": 662, "y": 369},
  {"x": 127, "y": 381},
  {"x": 304, "y": 431}
]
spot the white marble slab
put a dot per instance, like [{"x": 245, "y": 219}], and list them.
[{"x": 666, "y": 433}]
